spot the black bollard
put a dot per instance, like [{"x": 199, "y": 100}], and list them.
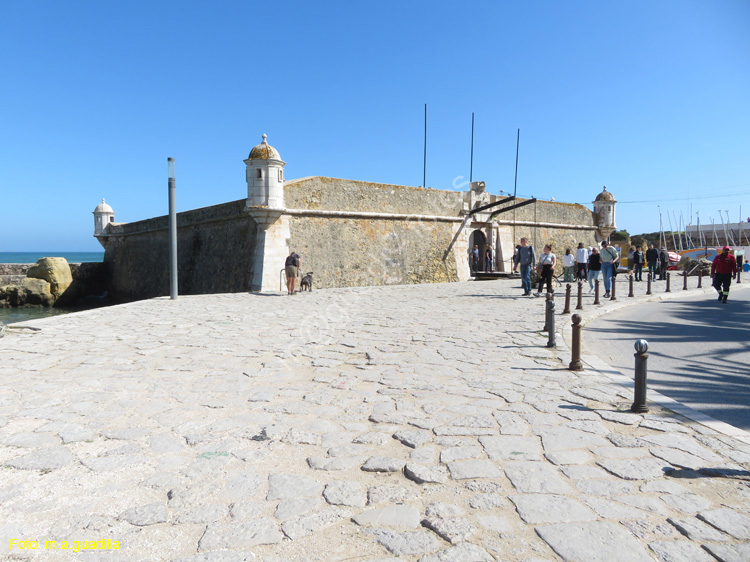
[
  {"x": 739, "y": 270},
  {"x": 684, "y": 280},
  {"x": 575, "y": 363},
  {"x": 648, "y": 285},
  {"x": 668, "y": 289},
  {"x": 566, "y": 310},
  {"x": 700, "y": 279},
  {"x": 612, "y": 295},
  {"x": 639, "y": 395},
  {"x": 596, "y": 291},
  {"x": 551, "y": 320},
  {"x": 579, "y": 306},
  {"x": 630, "y": 282}
]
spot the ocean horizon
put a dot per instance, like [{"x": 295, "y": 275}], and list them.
[{"x": 33, "y": 257}]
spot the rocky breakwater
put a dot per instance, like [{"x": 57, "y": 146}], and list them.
[{"x": 44, "y": 285}]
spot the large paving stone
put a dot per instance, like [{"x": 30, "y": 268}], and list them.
[
  {"x": 245, "y": 534},
  {"x": 510, "y": 447},
  {"x": 289, "y": 486},
  {"x": 422, "y": 474},
  {"x": 565, "y": 438},
  {"x": 698, "y": 531},
  {"x": 309, "y": 523},
  {"x": 397, "y": 516},
  {"x": 730, "y": 552},
  {"x": 462, "y": 470},
  {"x": 550, "y": 508},
  {"x": 637, "y": 469},
  {"x": 145, "y": 514},
  {"x": 413, "y": 438},
  {"x": 30, "y": 440},
  {"x": 296, "y": 506},
  {"x": 729, "y": 521},
  {"x": 677, "y": 551},
  {"x": 536, "y": 477},
  {"x": 383, "y": 464},
  {"x": 43, "y": 459},
  {"x": 406, "y": 544},
  {"x": 464, "y": 552},
  {"x": 592, "y": 541},
  {"x": 683, "y": 443},
  {"x": 345, "y": 492}
]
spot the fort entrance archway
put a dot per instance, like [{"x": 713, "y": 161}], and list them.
[{"x": 477, "y": 238}]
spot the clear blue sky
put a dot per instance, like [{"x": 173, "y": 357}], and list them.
[{"x": 648, "y": 98}]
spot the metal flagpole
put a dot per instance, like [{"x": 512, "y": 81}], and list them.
[
  {"x": 424, "y": 169},
  {"x": 471, "y": 167},
  {"x": 518, "y": 142}
]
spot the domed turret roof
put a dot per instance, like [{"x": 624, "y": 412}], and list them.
[
  {"x": 103, "y": 208},
  {"x": 264, "y": 151},
  {"x": 605, "y": 195}
]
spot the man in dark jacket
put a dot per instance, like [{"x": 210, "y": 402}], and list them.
[
  {"x": 663, "y": 263},
  {"x": 652, "y": 258},
  {"x": 723, "y": 269}
]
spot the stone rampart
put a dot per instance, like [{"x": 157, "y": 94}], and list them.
[{"x": 214, "y": 249}]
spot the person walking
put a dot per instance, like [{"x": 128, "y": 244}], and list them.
[
  {"x": 610, "y": 259},
  {"x": 663, "y": 263},
  {"x": 594, "y": 267},
  {"x": 546, "y": 267},
  {"x": 526, "y": 259},
  {"x": 515, "y": 259},
  {"x": 291, "y": 268},
  {"x": 723, "y": 270},
  {"x": 582, "y": 258},
  {"x": 488, "y": 259},
  {"x": 652, "y": 259},
  {"x": 569, "y": 265},
  {"x": 475, "y": 258},
  {"x": 638, "y": 263}
]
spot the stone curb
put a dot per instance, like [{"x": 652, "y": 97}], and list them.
[{"x": 626, "y": 380}]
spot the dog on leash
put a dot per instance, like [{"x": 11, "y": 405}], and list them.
[{"x": 307, "y": 281}]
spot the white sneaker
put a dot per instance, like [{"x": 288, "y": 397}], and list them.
[{"x": 537, "y": 294}]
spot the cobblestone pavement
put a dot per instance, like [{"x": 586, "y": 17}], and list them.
[{"x": 420, "y": 423}]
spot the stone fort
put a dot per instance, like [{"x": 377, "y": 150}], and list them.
[{"x": 348, "y": 232}]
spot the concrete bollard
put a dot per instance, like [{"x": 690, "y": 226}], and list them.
[
  {"x": 684, "y": 280},
  {"x": 575, "y": 362},
  {"x": 566, "y": 310},
  {"x": 668, "y": 277},
  {"x": 612, "y": 295},
  {"x": 579, "y": 306},
  {"x": 596, "y": 291},
  {"x": 639, "y": 394},
  {"x": 551, "y": 320},
  {"x": 630, "y": 282},
  {"x": 648, "y": 285}
]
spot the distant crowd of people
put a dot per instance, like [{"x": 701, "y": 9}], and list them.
[{"x": 587, "y": 264}]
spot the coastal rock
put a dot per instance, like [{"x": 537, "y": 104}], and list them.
[
  {"x": 31, "y": 292},
  {"x": 55, "y": 271}
]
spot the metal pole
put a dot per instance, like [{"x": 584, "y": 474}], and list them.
[
  {"x": 700, "y": 278},
  {"x": 596, "y": 291},
  {"x": 566, "y": 310},
  {"x": 515, "y": 182},
  {"x": 641, "y": 372},
  {"x": 424, "y": 169},
  {"x": 630, "y": 282},
  {"x": 579, "y": 306},
  {"x": 684, "y": 280},
  {"x": 575, "y": 362},
  {"x": 172, "y": 230},
  {"x": 612, "y": 296},
  {"x": 551, "y": 322},
  {"x": 668, "y": 289},
  {"x": 471, "y": 167}
]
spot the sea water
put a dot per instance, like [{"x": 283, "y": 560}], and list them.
[{"x": 13, "y": 315}]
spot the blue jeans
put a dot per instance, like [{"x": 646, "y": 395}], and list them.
[
  {"x": 607, "y": 269},
  {"x": 526, "y": 277}
]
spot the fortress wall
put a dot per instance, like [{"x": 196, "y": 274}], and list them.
[
  {"x": 350, "y": 195},
  {"x": 214, "y": 253},
  {"x": 346, "y": 252}
]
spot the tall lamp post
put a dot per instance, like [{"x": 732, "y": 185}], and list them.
[{"x": 172, "y": 230}]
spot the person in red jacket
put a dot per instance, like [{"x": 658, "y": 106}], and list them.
[{"x": 723, "y": 269}]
